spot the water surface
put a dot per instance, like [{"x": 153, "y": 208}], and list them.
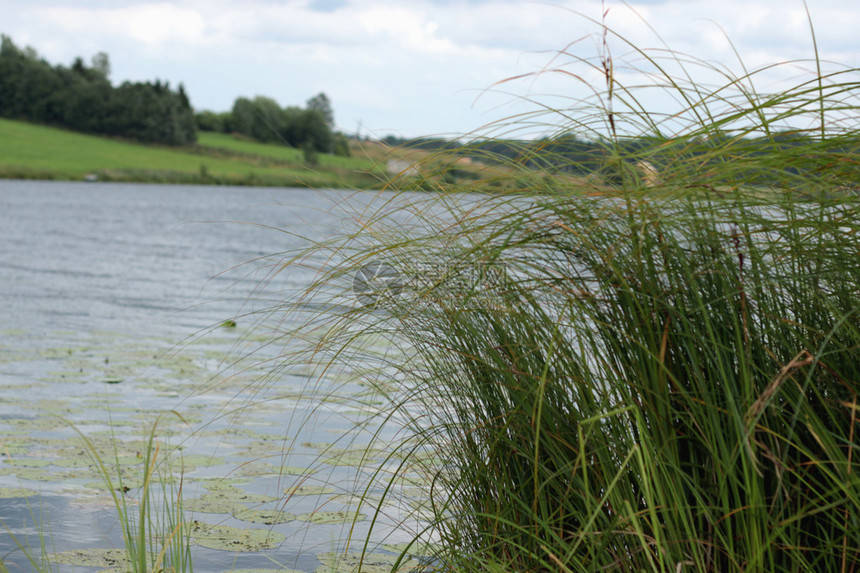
[{"x": 112, "y": 296}]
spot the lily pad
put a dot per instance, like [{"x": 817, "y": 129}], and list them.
[
  {"x": 14, "y": 447},
  {"x": 331, "y": 517},
  {"x": 27, "y": 463},
  {"x": 309, "y": 490},
  {"x": 10, "y": 492},
  {"x": 229, "y": 538},
  {"x": 73, "y": 462},
  {"x": 417, "y": 548},
  {"x": 194, "y": 461},
  {"x": 367, "y": 501},
  {"x": 212, "y": 504},
  {"x": 36, "y": 424},
  {"x": 265, "y": 516},
  {"x": 220, "y": 483},
  {"x": 112, "y": 558},
  {"x": 34, "y": 474},
  {"x": 260, "y": 571},
  {"x": 335, "y": 562},
  {"x": 128, "y": 483},
  {"x": 225, "y": 499},
  {"x": 240, "y": 496},
  {"x": 268, "y": 470}
]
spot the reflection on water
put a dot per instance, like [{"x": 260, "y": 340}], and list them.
[{"x": 111, "y": 297}]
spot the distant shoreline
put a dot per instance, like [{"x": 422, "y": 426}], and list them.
[{"x": 31, "y": 151}]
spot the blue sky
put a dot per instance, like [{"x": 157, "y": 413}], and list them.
[{"x": 418, "y": 67}]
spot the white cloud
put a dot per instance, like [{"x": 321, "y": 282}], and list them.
[
  {"x": 413, "y": 66},
  {"x": 151, "y": 25}
]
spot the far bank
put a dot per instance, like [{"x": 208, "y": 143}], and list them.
[{"x": 29, "y": 151}]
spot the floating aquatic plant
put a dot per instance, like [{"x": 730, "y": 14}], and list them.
[{"x": 229, "y": 538}]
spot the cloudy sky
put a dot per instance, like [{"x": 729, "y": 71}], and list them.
[{"x": 415, "y": 67}]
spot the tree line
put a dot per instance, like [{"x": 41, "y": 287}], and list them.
[
  {"x": 81, "y": 98},
  {"x": 781, "y": 157},
  {"x": 310, "y": 128}
]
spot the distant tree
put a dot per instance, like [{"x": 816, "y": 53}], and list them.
[
  {"x": 27, "y": 85},
  {"x": 183, "y": 97},
  {"x": 83, "y": 107},
  {"x": 79, "y": 68},
  {"x": 262, "y": 119},
  {"x": 291, "y": 121},
  {"x": 341, "y": 145},
  {"x": 322, "y": 104},
  {"x": 310, "y": 154},
  {"x": 185, "y": 128},
  {"x": 393, "y": 140},
  {"x": 101, "y": 65},
  {"x": 315, "y": 131},
  {"x": 211, "y": 121},
  {"x": 268, "y": 116},
  {"x": 151, "y": 112},
  {"x": 81, "y": 98},
  {"x": 242, "y": 116},
  {"x": 8, "y": 47}
]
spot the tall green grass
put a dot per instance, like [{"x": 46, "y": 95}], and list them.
[
  {"x": 155, "y": 531},
  {"x": 629, "y": 374}
]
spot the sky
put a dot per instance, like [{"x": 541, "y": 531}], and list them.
[{"x": 413, "y": 68}]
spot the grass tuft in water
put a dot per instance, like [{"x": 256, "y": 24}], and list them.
[{"x": 154, "y": 528}]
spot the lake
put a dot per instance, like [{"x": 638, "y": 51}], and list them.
[{"x": 114, "y": 299}]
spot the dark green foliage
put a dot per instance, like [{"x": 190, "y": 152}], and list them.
[
  {"x": 322, "y": 104},
  {"x": 212, "y": 121},
  {"x": 260, "y": 118},
  {"x": 310, "y": 155},
  {"x": 310, "y": 127},
  {"x": 81, "y": 98},
  {"x": 242, "y": 116},
  {"x": 341, "y": 145},
  {"x": 149, "y": 112},
  {"x": 101, "y": 65},
  {"x": 263, "y": 120}
]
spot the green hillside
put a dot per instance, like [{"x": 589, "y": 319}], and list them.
[{"x": 38, "y": 152}]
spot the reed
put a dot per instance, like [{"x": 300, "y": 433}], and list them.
[
  {"x": 154, "y": 528},
  {"x": 624, "y": 372}
]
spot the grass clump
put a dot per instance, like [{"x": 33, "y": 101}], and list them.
[
  {"x": 671, "y": 387},
  {"x": 155, "y": 531},
  {"x": 630, "y": 373}
]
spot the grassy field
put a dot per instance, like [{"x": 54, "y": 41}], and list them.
[
  {"x": 29, "y": 151},
  {"x": 267, "y": 153},
  {"x": 39, "y": 152}
]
